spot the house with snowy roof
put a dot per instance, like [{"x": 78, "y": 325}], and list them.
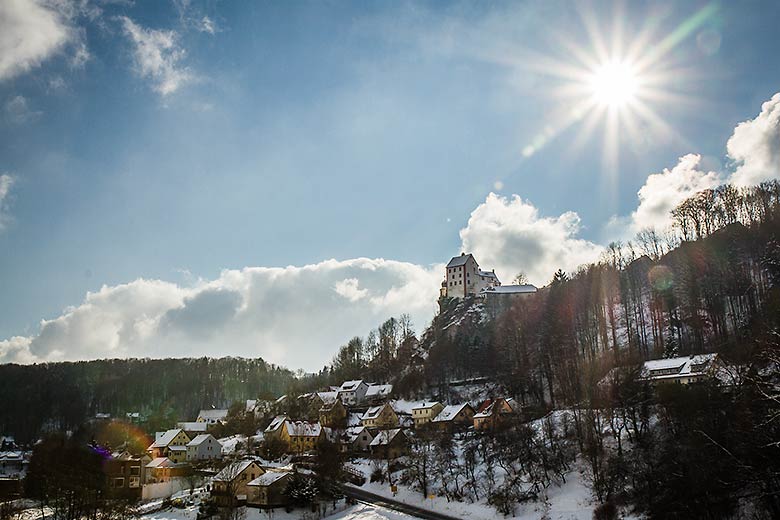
[
  {"x": 171, "y": 444},
  {"x": 424, "y": 412},
  {"x": 389, "y": 444},
  {"x": 382, "y": 416},
  {"x": 267, "y": 490},
  {"x": 454, "y": 417},
  {"x": 680, "y": 370},
  {"x": 355, "y": 439},
  {"x": 333, "y": 414},
  {"x": 213, "y": 416},
  {"x": 492, "y": 414},
  {"x": 376, "y": 394},
  {"x": 231, "y": 483},
  {"x": 301, "y": 436},
  {"x": 204, "y": 447},
  {"x": 353, "y": 392}
]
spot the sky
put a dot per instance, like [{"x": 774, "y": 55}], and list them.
[{"x": 183, "y": 178}]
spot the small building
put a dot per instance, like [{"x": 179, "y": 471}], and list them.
[
  {"x": 275, "y": 427},
  {"x": 193, "y": 428},
  {"x": 680, "y": 370},
  {"x": 454, "y": 417},
  {"x": 125, "y": 474},
  {"x": 492, "y": 414},
  {"x": 212, "y": 417},
  {"x": 355, "y": 439},
  {"x": 389, "y": 444},
  {"x": 301, "y": 436},
  {"x": 231, "y": 483},
  {"x": 376, "y": 394},
  {"x": 204, "y": 447},
  {"x": 382, "y": 417},
  {"x": 171, "y": 444},
  {"x": 424, "y": 412},
  {"x": 333, "y": 415},
  {"x": 352, "y": 393},
  {"x": 163, "y": 469},
  {"x": 267, "y": 490}
]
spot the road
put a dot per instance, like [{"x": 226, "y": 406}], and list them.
[{"x": 389, "y": 503}]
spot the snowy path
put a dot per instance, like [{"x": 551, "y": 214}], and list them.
[{"x": 371, "y": 498}]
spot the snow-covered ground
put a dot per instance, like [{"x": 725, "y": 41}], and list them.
[{"x": 358, "y": 512}]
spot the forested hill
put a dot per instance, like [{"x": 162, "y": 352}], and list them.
[
  {"x": 62, "y": 395},
  {"x": 711, "y": 283}
]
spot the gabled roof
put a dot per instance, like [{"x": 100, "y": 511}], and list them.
[
  {"x": 350, "y": 386},
  {"x": 379, "y": 390},
  {"x": 303, "y": 429},
  {"x": 277, "y": 423},
  {"x": 351, "y": 434},
  {"x": 373, "y": 412},
  {"x": 163, "y": 462},
  {"x": 268, "y": 478},
  {"x": 450, "y": 412},
  {"x": 511, "y": 289},
  {"x": 200, "y": 439},
  {"x": 215, "y": 414},
  {"x": 460, "y": 260},
  {"x": 328, "y": 397},
  {"x": 425, "y": 405},
  {"x": 385, "y": 437},
  {"x": 676, "y": 367},
  {"x": 233, "y": 470},
  {"x": 488, "y": 274},
  {"x": 166, "y": 438},
  {"x": 490, "y": 407}
]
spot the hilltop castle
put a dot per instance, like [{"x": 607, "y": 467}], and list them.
[{"x": 463, "y": 277}]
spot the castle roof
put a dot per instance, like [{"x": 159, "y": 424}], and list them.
[{"x": 457, "y": 261}]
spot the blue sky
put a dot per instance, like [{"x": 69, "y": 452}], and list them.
[{"x": 175, "y": 144}]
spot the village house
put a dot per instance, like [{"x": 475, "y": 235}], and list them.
[
  {"x": 204, "y": 447},
  {"x": 301, "y": 436},
  {"x": 680, "y": 370},
  {"x": 193, "y": 428},
  {"x": 333, "y": 415},
  {"x": 267, "y": 490},
  {"x": 389, "y": 444},
  {"x": 212, "y": 417},
  {"x": 377, "y": 394},
  {"x": 382, "y": 417},
  {"x": 355, "y": 439},
  {"x": 492, "y": 414},
  {"x": 125, "y": 474},
  {"x": 454, "y": 417},
  {"x": 232, "y": 482},
  {"x": 163, "y": 469},
  {"x": 424, "y": 412},
  {"x": 171, "y": 444},
  {"x": 275, "y": 427},
  {"x": 352, "y": 393}
]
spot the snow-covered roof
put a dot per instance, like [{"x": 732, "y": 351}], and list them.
[
  {"x": 303, "y": 429},
  {"x": 281, "y": 399},
  {"x": 162, "y": 462},
  {"x": 232, "y": 470},
  {"x": 385, "y": 437},
  {"x": 350, "y": 386},
  {"x": 276, "y": 423},
  {"x": 511, "y": 289},
  {"x": 488, "y": 274},
  {"x": 200, "y": 439},
  {"x": 457, "y": 261},
  {"x": 215, "y": 414},
  {"x": 192, "y": 426},
  {"x": 328, "y": 397},
  {"x": 425, "y": 405},
  {"x": 351, "y": 434},
  {"x": 268, "y": 478},
  {"x": 373, "y": 412},
  {"x": 677, "y": 367},
  {"x": 177, "y": 448},
  {"x": 379, "y": 390},
  {"x": 166, "y": 438},
  {"x": 450, "y": 412}
]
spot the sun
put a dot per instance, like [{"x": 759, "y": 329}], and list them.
[{"x": 614, "y": 84}]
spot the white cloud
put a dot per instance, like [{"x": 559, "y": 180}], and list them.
[
  {"x": 157, "y": 55},
  {"x": 755, "y": 146},
  {"x": 32, "y": 31},
  {"x": 662, "y": 192},
  {"x": 510, "y": 236},
  {"x": 17, "y": 110},
  {"x": 6, "y": 181},
  {"x": 294, "y": 316},
  {"x": 207, "y": 25}
]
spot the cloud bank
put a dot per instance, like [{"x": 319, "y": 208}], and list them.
[
  {"x": 294, "y": 316},
  {"x": 755, "y": 146}
]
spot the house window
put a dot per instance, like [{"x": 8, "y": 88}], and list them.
[
  {"x": 119, "y": 482},
  {"x": 135, "y": 470}
]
